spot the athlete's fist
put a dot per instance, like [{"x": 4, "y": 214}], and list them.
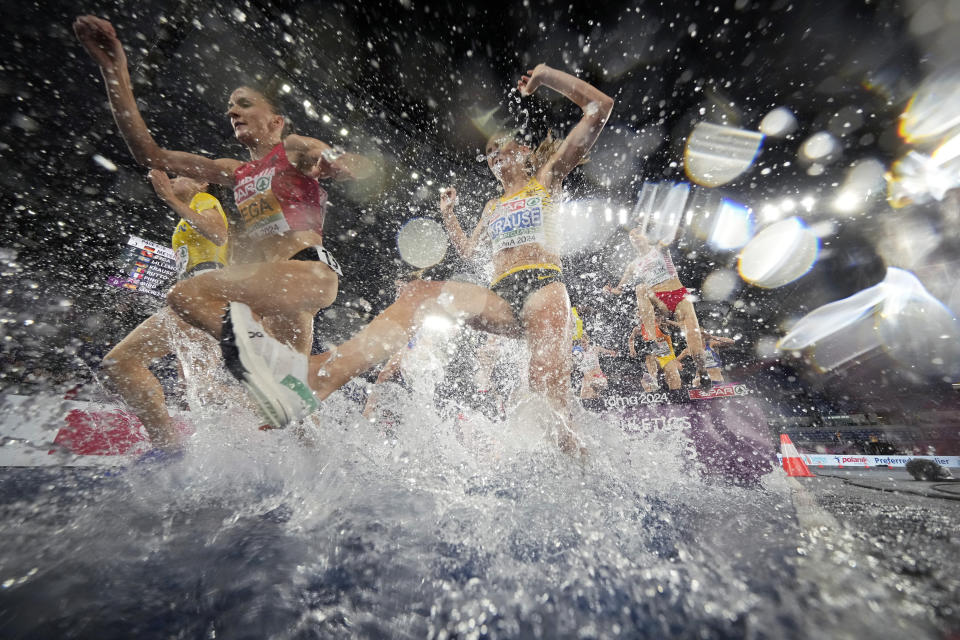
[
  {"x": 100, "y": 40},
  {"x": 161, "y": 184},
  {"x": 532, "y": 80},
  {"x": 448, "y": 198},
  {"x": 329, "y": 166}
]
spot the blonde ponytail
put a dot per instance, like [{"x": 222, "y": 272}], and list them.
[{"x": 544, "y": 151}]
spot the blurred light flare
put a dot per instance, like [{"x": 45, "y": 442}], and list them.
[
  {"x": 733, "y": 226},
  {"x": 908, "y": 241},
  {"x": 863, "y": 181},
  {"x": 485, "y": 122},
  {"x": 820, "y": 147},
  {"x": 106, "y": 163},
  {"x": 934, "y": 109},
  {"x": 422, "y": 242},
  {"x": 947, "y": 151},
  {"x": 715, "y": 154},
  {"x": 584, "y": 225},
  {"x": 719, "y": 285},
  {"x": 898, "y": 315},
  {"x": 770, "y": 213},
  {"x": 779, "y": 254},
  {"x": 916, "y": 178},
  {"x": 438, "y": 323},
  {"x": 778, "y": 123},
  {"x": 660, "y": 208}
]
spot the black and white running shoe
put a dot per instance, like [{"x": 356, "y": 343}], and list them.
[{"x": 273, "y": 373}]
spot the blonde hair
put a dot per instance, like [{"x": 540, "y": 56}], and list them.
[{"x": 544, "y": 151}]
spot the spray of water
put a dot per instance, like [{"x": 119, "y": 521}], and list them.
[{"x": 443, "y": 525}]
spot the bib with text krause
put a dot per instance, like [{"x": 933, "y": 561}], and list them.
[
  {"x": 259, "y": 208},
  {"x": 518, "y": 222}
]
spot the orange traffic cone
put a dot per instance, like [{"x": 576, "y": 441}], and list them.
[{"x": 793, "y": 464}]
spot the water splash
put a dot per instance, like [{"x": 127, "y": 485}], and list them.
[{"x": 343, "y": 532}]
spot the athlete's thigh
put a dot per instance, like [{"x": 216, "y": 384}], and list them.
[
  {"x": 671, "y": 371},
  {"x": 271, "y": 287},
  {"x": 546, "y": 318},
  {"x": 684, "y": 311},
  {"x": 652, "y": 366},
  {"x": 481, "y": 308},
  {"x": 642, "y": 293},
  {"x": 149, "y": 340},
  {"x": 196, "y": 345}
]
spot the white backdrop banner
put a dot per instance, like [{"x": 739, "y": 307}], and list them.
[{"x": 848, "y": 460}]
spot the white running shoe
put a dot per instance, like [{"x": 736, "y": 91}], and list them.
[{"x": 273, "y": 373}]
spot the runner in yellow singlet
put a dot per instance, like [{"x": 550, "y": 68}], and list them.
[
  {"x": 658, "y": 353},
  {"x": 200, "y": 244}
]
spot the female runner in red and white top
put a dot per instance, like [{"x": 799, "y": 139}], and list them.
[
  {"x": 653, "y": 275},
  {"x": 285, "y": 275}
]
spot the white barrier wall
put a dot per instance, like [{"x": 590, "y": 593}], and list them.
[{"x": 43, "y": 430}]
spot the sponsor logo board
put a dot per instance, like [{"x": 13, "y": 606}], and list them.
[
  {"x": 726, "y": 390},
  {"x": 831, "y": 460}
]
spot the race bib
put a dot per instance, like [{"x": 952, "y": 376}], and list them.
[
  {"x": 183, "y": 259},
  {"x": 652, "y": 269},
  {"x": 327, "y": 258},
  {"x": 710, "y": 360},
  {"x": 517, "y": 222},
  {"x": 259, "y": 208}
]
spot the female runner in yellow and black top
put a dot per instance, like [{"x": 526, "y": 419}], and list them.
[
  {"x": 527, "y": 298},
  {"x": 200, "y": 244}
]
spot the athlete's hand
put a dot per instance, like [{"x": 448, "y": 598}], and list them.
[
  {"x": 100, "y": 40},
  {"x": 161, "y": 184},
  {"x": 611, "y": 290},
  {"x": 532, "y": 80},
  {"x": 448, "y": 198},
  {"x": 324, "y": 169}
]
